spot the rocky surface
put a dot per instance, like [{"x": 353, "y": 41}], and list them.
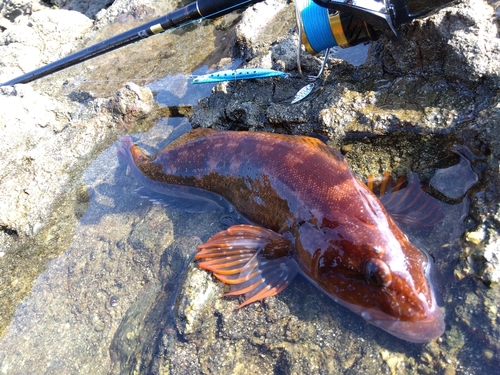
[{"x": 121, "y": 294}]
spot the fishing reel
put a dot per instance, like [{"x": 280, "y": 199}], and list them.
[{"x": 345, "y": 23}]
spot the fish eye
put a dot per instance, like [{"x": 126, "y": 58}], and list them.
[{"x": 377, "y": 272}]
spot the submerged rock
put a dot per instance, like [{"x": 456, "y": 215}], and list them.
[{"x": 445, "y": 180}]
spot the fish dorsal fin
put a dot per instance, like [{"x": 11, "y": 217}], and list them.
[
  {"x": 319, "y": 145},
  {"x": 190, "y": 136},
  {"x": 255, "y": 261}
]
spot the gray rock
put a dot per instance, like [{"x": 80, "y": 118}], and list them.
[
  {"x": 10, "y": 10},
  {"x": 40, "y": 39},
  {"x": 40, "y": 134},
  {"x": 455, "y": 181}
]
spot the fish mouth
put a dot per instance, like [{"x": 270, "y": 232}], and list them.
[{"x": 418, "y": 331}]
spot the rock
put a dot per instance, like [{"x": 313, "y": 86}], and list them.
[
  {"x": 40, "y": 39},
  {"x": 38, "y": 129},
  {"x": 119, "y": 263},
  {"x": 252, "y": 27},
  {"x": 445, "y": 180},
  {"x": 491, "y": 271},
  {"x": 196, "y": 301},
  {"x": 463, "y": 39},
  {"x": 10, "y": 10}
]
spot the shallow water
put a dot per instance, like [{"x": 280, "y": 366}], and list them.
[{"x": 114, "y": 261}]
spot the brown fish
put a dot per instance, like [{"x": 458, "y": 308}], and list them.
[{"x": 309, "y": 214}]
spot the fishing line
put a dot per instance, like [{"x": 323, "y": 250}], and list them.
[{"x": 317, "y": 31}]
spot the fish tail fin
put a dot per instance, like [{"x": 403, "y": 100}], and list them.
[
  {"x": 131, "y": 153},
  {"x": 254, "y": 261},
  {"x": 135, "y": 158}
]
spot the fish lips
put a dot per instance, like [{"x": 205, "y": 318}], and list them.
[{"x": 418, "y": 331}]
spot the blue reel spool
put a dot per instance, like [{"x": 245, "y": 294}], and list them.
[{"x": 320, "y": 30}]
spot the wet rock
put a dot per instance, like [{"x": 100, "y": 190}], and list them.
[
  {"x": 455, "y": 181},
  {"x": 131, "y": 104},
  {"x": 491, "y": 271},
  {"x": 459, "y": 42},
  {"x": 47, "y": 142},
  {"x": 36, "y": 130},
  {"x": 484, "y": 254},
  {"x": 196, "y": 301},
  {"x": 151, "y": 232},
  {"x": 415, "y": 93}
]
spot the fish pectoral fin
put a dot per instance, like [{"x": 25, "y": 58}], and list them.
[{"x": 255, "y": 261}]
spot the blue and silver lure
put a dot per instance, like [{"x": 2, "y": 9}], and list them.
[{"x": 238, "y": 74}]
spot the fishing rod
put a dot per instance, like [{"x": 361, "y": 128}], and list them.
[{"x": 201, "y": 9}]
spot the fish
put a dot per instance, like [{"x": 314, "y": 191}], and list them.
[
  {"x": 238, "y": 74},
  {"x": 303, "y": 211}
]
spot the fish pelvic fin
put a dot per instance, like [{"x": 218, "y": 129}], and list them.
[{"x": 254, "y": 261}]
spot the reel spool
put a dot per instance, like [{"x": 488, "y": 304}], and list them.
[
  {"x": 319, "y": 29},
  {"x": 346, "y": 23}
]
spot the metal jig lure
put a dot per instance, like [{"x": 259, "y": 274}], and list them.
[{"x": 238, "y": 74}]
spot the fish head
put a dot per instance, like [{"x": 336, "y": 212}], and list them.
[
  {"x": 395, "y": 292},
  {"x": 372, "y": 268}
]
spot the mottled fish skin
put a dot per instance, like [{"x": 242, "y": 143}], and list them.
[{"x": 343, "y": 240}]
